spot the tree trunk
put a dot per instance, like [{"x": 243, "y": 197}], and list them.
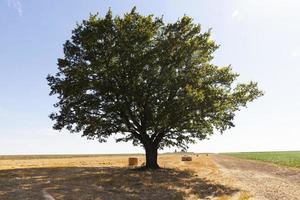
[{"x": 151, "y": 157}]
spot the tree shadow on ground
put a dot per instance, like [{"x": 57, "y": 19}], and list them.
[{"x": 106, "y": 183}]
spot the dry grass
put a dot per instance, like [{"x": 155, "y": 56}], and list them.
[
  {"x": 41, "y": 162},
  {"x": 245, "y": 195},
  {"x": 108, "y": 177}
]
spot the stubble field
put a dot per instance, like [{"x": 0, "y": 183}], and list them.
[{"x": 107, "y": 177}]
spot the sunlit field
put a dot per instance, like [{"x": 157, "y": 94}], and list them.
[
  {"x": 109, "y": 177},
  {"x": 287, "y": 158}
]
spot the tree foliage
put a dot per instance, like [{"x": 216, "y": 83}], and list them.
[{"x": 149, "y": 82}]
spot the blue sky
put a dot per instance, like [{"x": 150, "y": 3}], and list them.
[{"x": 259, "y": 38}]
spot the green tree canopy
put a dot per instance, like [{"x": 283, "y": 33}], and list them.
[{"x": 149, "y": 82}]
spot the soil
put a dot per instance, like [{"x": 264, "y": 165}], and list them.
[{"x": 263, "y": 180}]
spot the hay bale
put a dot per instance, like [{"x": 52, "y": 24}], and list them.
[
  {"x": 186, "y": 158},
  {"x": 132, "y": 161}
]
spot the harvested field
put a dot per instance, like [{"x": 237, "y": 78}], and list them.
[{"x": 108, "y": 177}]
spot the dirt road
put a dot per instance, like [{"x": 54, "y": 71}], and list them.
[{"x": 263, "y": 180}]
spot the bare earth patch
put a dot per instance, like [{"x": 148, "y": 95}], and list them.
[
  {"x": 108, "y": 178},
  {"x": 263, "y": 180}
]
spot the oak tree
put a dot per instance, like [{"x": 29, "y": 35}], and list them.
[{"x": 146, "y": 81}]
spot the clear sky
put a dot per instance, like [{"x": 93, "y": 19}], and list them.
[{"x": 259, "y": 38}]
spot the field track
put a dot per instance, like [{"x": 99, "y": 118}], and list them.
[{"x": 263, "y": 180}]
